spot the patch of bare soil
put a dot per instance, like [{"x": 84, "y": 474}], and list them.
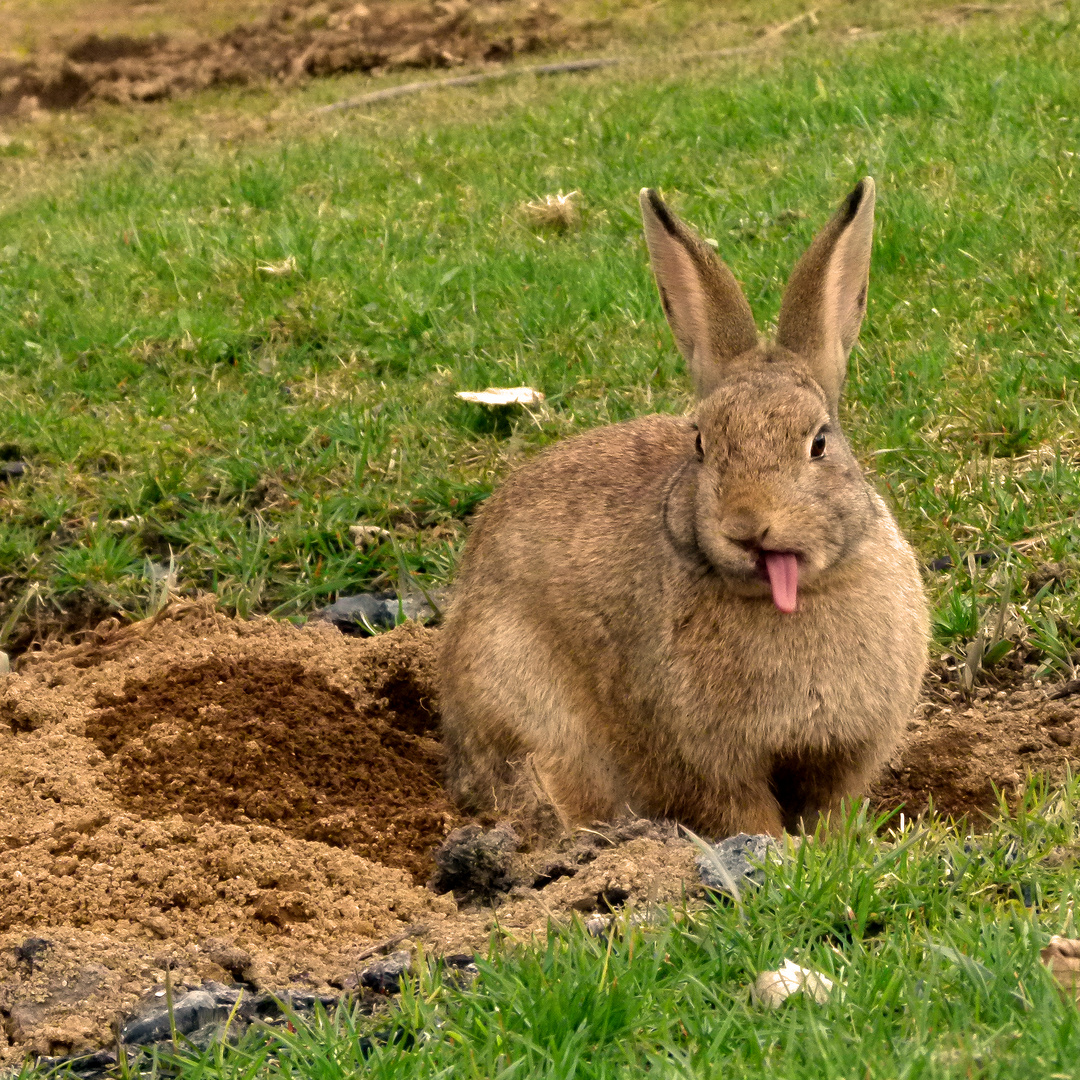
[
  {"x": 204, "y": 739},
  {"x": 295, "y": 41},
  {"x": 256, "y": 801},
  {"x": 194, "y": 789},
  {"x": 959, "y": 751}
]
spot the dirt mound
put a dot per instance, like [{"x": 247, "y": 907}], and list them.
[
  {"x": 295, "y": 41},
  {"x": 204, "y": 739},
  {"x": 958, "y": 752},
  {"x": 196, "y": 788}
]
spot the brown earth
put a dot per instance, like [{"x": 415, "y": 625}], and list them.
[
  {"x": 195, "y": 788},
  {"x": 140, "y": 826},
  {"x": 203, "y": 739},
  {"x": 294, "y": 41},
  {"x": 960, "y": 754}
]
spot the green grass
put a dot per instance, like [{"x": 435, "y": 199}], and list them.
[
  {"x": 175, "y": 400},
  {"x": 933, "y": 943}
]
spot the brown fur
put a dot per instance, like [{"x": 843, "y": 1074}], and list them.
[{"x": 611, "y": 641}]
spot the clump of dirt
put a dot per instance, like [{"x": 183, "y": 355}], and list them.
[
  {"x": 141, "y": 828},
  {"x": 204, "y": 739},
  {"x": 295, "y": 41},
  {"x": 958, "y": 752}
]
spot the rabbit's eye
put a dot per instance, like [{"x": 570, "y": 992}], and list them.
[
  {"x": 697, "y": 446},
  {"x": 817, "y": 447}
]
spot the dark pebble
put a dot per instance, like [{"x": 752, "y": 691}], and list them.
[
  {"x": 384, "y": 976},
  {"x": 380, "y": 610},
  {"x": 190, "y": 1012}
]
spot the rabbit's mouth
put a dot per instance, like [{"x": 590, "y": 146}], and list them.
[{"x": 781, "y": 570}]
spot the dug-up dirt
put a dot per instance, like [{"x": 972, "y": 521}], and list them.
[
  {"x": 257, "y": 801},
  {"x": 295, "y": 40},
  {"x": 197, "y": 789}
]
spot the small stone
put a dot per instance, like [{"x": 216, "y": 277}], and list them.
[
  {"x": 12, "y": 470},
  {"x": 5, "y": 663},
  {"x": 379, "y": 611},
  {"x": 384, "y": 976},
  {"x": 1062, "y": 736},
  {"x": 729, "y": 862},
  {"x": 1031, "y": 746},
  {"x": 190, "y": 1012},
  {"x": 773, "y": 988}
]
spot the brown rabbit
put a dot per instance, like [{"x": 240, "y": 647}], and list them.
[{"x": 713, "y": 619}]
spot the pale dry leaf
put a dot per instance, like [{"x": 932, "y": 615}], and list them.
[
  {"x": 502, "y": 395},
  {"x": 554, "y": 211},
  {"x": 773, "y": 988},
  {"x": 284, "y": 268},
  {"x": 365, "y": 536}
]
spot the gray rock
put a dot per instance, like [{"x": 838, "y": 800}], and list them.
[
  {"x": 727, "y": 866},
  {"x": 384, "y": 976},
  {"x": 380, "y": 610},
  {"x": 190, "y": 1012}
]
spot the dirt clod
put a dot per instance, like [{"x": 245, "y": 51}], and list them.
[{"x": 474, "y": 862}]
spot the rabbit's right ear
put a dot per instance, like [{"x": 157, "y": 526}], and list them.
[{"x": 705, "y": 307}]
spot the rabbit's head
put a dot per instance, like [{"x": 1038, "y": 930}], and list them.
[{"x": 771, "y": 496}]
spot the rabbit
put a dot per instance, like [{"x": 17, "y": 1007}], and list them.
[{"x": 714, "y": 618}]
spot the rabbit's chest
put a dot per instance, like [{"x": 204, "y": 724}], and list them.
[{"x": 807, "y": 679}]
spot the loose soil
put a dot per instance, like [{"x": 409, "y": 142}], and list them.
[
  {"x": 259, "y": 801},
  {"x": 204, "y": 739},
  {"x": 293, "y": 42}
]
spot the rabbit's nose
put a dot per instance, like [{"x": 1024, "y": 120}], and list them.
[{"x": 744, "y": 529}]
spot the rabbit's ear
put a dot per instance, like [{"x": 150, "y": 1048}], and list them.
[
  {"x": 825, "y": 300},
  {"x": 705, "y": 307}
]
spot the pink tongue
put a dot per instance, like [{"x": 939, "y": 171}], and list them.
[{"x": 783, "y": 570}]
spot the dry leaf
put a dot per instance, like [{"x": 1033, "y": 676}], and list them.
[
  {"x": 280, "y": 269},
  {"x": 502, "y": 395},
  {"x": 1062, "y": 957},
  {"x": 773, "y": 988},
  {"x": 364, "y": 536},
  {"x": 554, "y": 211}
]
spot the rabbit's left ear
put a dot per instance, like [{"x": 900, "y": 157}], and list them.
[
  {"x": 825, "y": 300},
  {"x": 704, "y": 305}
]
